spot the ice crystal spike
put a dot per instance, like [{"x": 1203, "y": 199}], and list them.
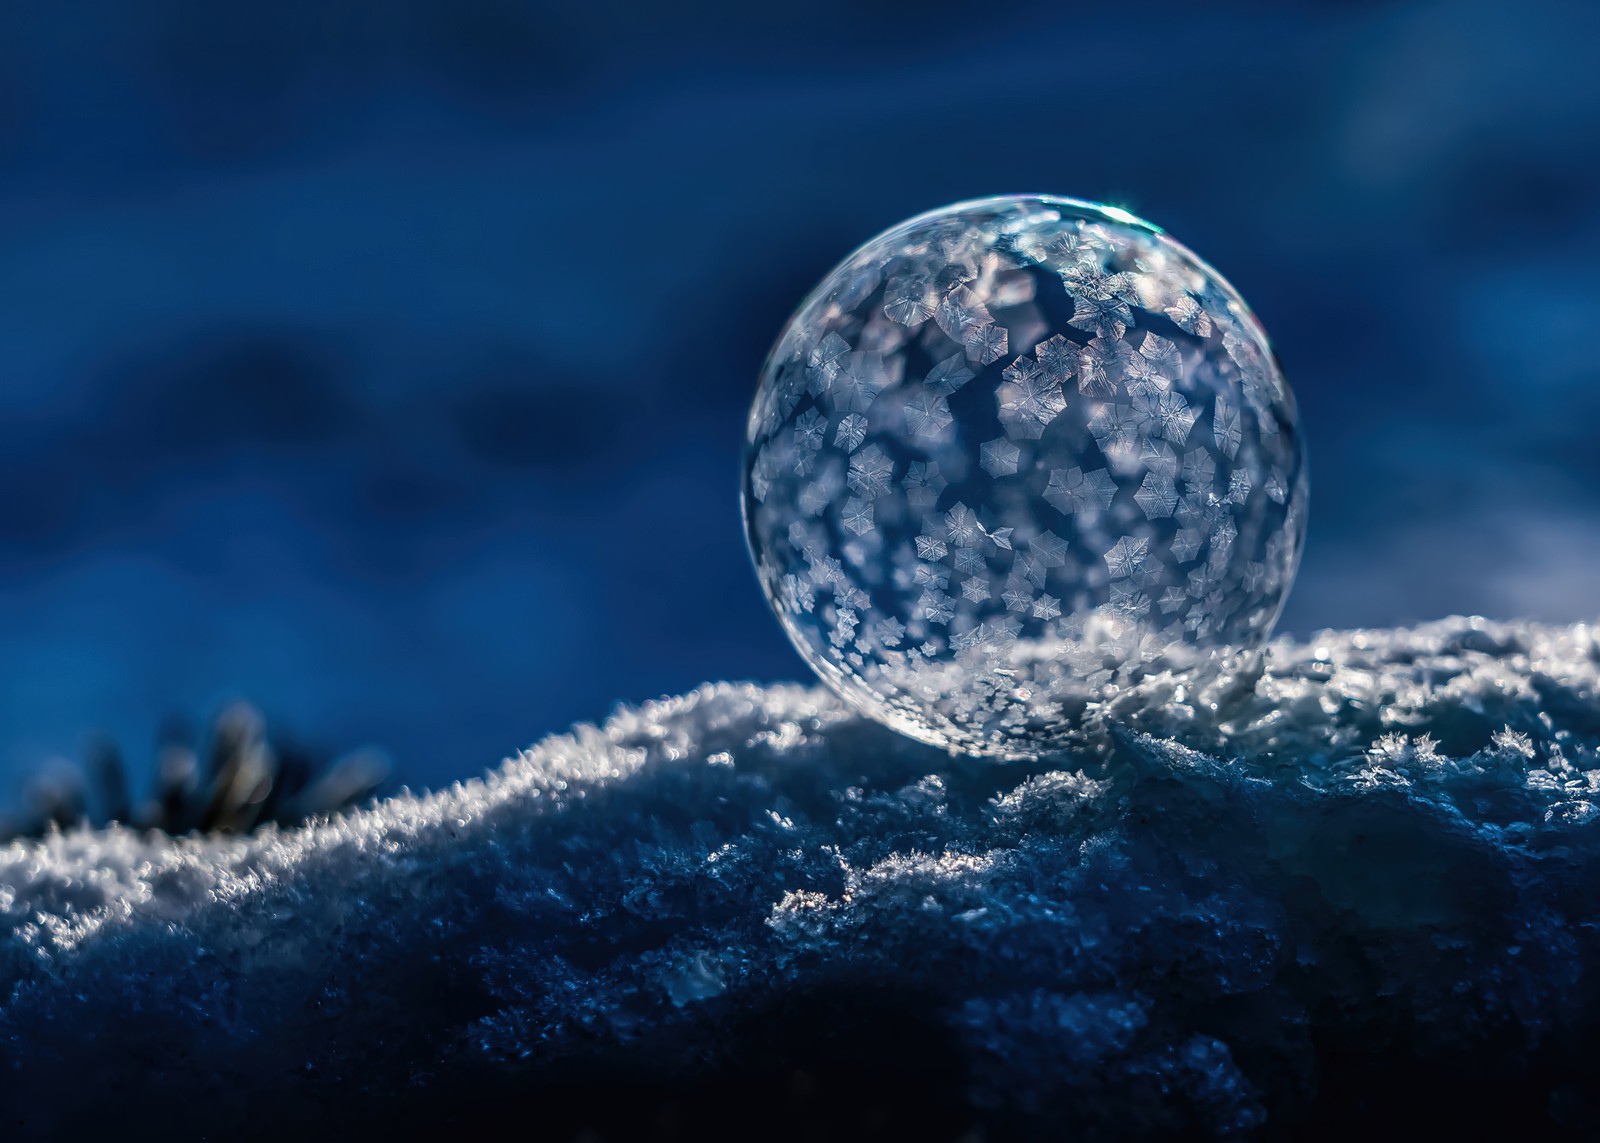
[{"x": 1011, "y": 454}]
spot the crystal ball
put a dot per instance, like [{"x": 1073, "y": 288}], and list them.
[{"x": 1016, "y": 454}]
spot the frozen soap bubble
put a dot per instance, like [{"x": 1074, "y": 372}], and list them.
[{"x": 1012, "y": 454}]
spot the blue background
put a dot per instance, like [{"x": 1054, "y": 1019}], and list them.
[{"x": 387, "y": 363}]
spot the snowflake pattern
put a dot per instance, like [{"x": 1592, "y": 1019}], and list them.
[
  {"x": 1028, "y": 399},
  {"x": 927, "y": 415},
  {"x": 1012, "y": 453},
  {"x": 999, "y": 457},
  {"x": 1072, "y": 490}
]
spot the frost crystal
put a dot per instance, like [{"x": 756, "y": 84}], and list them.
[{"x": 1068, "y": 413}]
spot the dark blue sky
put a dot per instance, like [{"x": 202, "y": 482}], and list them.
[{"x": 387, "y": 362}]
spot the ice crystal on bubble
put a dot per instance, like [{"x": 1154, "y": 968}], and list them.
[{"x": 1041, "y": 450}]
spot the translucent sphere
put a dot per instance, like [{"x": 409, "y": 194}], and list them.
[{"x": 1015, "y": 453}]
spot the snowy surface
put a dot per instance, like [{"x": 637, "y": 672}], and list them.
[{"x": 1355, "y": 883}]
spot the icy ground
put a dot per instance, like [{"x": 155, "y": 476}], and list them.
[{"x": 1357, "y": 888}]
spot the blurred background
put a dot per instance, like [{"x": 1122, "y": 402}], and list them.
[{"x": 387, "y": 363}]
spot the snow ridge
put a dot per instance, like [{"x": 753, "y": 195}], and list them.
[{"x": 1332, "y": 874}]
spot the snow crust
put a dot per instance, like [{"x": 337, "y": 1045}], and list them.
[{"x": 1339, "y": 883}]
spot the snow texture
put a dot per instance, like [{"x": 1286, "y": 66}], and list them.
[{"x": 1351, "y": 883}]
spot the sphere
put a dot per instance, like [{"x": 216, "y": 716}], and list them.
[{"x": 1015, "y": 454}]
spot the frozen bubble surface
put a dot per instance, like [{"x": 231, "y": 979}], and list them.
[{"x": 1013, "y": 453}]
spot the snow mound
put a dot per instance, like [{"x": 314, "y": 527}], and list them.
[{"x": 1350, "y": 882}]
